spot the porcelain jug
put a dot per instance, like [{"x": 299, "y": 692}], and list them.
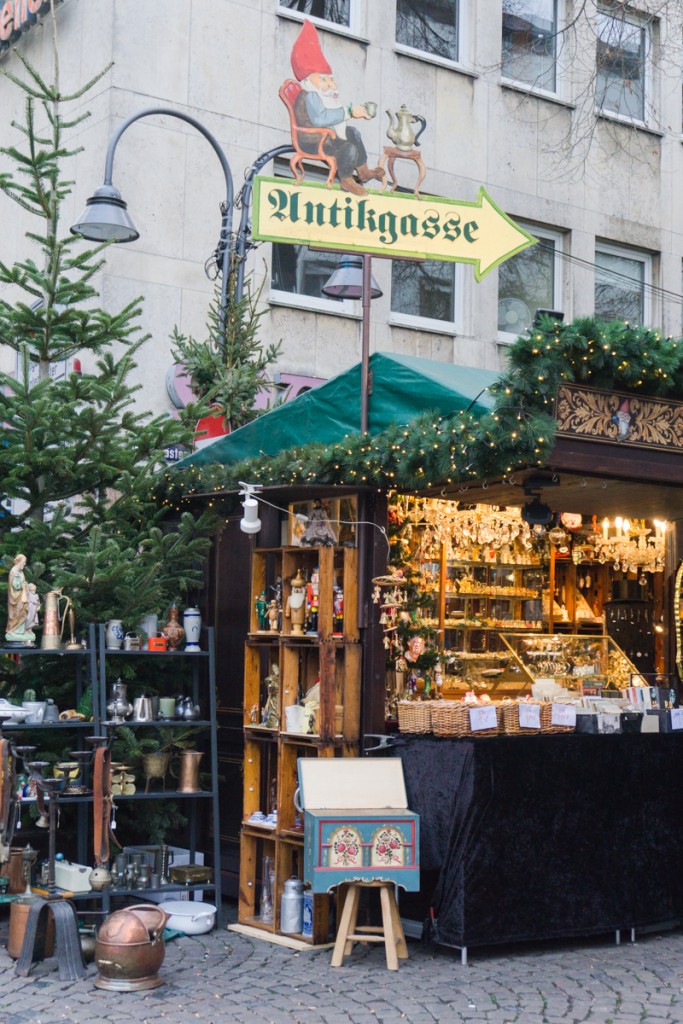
[
  {"x": 114, "y": 634},
  {"x": 400, "y": 131},
  {"x": 192, "y": 624}
]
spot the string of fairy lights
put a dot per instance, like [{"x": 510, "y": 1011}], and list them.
[{"x": 437, "y": 451}]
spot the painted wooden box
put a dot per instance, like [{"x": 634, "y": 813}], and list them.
[{"x": 356, "y": 823}]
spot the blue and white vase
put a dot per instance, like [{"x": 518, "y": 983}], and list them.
[
  {"x": 114, "y": 634},
  {"x": 192, "y": 624}
]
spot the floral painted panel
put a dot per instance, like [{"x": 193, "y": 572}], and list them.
[
  {"x": 346, "y": 849},
  {"x": 387, "y": 847}
]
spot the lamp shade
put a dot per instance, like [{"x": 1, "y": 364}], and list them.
[
  {"x": 346, "y": 281},
  {"x": 105, "y": 218}
]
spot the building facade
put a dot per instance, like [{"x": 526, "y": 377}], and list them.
[{"x": 573, "y": 125}]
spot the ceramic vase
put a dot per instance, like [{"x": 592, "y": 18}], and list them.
[
  {"x": 192, "y": 624},
  {"x": 114, "y": 634},
  {"x": 173, "y": 631}
]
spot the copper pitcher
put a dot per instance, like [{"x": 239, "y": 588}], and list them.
[{"x": 188, "y": 775}]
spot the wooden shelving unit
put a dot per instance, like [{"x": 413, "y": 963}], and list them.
[{"x": 329, "y": 654}]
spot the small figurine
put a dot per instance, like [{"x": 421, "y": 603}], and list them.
[
  {"x": 271, "y": 711},
  {"x": 319, "y": 532},
  {"x": 261, "y": 606},
  {"x": 253, "y": 714},
  {"x": 33, "y": 607},
  {"x": 295, "y": 609},
  {"x": 312, "y": 599},
  {"x": 338, "y": 607},
  {"x": 273, "y": 616}
]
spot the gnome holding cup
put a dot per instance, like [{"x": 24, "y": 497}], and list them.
[{"x": 318, "y": 106}]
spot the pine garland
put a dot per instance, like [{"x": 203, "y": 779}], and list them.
[{"x": 435, "y": 451}]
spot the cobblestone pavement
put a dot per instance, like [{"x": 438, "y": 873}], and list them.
[{"x": 225, "y": 977}]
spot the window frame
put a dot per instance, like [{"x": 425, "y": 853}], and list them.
[
  {"x": 353, "y": 28},
  {"x": 628, "y": 252},
  {"x": 298, "y": 300},
  {"x": 647, "y": 25},
  {"x": 462, "y": 11},
  {"x": 414, "y": 322},
  {"x": 560, "y": 61},
  {"x": 560, "y": 239}
]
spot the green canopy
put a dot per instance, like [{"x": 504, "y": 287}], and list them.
[{"x": 403, "y": 387}]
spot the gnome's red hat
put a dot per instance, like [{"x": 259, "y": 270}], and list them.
[{"x": 307, "y": 57}]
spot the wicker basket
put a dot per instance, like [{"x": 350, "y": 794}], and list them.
[
  {"x": 414, "y": 716},
  {"x": 509, "y": 715},
  {"x": 448, "y": 718},
  {"x": 480, "y": 733},
  {"x": 546, "y": 720}
]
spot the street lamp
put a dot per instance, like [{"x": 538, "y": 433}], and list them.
[
  {"x": 353, "y": 280},
  {"x": 106, "y": 217}
]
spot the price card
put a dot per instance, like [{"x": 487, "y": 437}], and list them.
[
  {"x": 483, "y": 718},
  {"x": 676, "y": 718},
  {"x": 563, "y": 714},
  {"x": 530, "y": 716}
]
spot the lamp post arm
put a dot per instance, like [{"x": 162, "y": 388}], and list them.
[{"x": 244, "y": 228}]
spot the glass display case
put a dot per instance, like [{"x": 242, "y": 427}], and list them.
[{"x": 585, "y": 664}]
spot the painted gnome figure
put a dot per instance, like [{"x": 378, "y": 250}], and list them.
[{"x": 318, "y": 106}]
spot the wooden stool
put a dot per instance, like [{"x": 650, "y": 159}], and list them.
[
  {"x": 390, "y": 932},
  {"x": 392, "y": 153}
]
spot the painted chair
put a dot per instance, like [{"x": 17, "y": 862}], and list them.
[{"x": 288, "y": 93}]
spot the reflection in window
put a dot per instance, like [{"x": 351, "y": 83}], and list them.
[
  {"x": 526, "y": 282},
  {"x": 428, "y": 25},
  {"x": 336, "y": 11},
  {"x": 529, "y": 34},
  {"x": 621, "y": 49},
  {"x": 299, "y": 271},
  {"x": 425, "y": 290},
  {"x": 620, "y": 286}
]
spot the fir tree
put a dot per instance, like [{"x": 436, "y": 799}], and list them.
[
  {"x": 78, "y": 458},
  {"x": 229, "y": 368}
]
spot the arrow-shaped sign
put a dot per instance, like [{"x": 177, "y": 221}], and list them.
[{"x": 391, "y": 225}]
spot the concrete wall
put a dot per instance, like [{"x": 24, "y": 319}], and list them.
[{"x": 222, "y": 61}]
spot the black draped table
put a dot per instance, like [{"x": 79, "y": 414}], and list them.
[{"x": 544, "y": 837}]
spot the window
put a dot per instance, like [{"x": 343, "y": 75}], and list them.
[
  {"x": 298, "y": 273},
  {"x": 338, "y": 12},
  {"x": 423, "y": 294},
  {"x": 529, "y": 281},
  {"x": 529, "y": 39},
  {"x": 430, "y": 26},
  {"x": 622, "y": 277},
  {"x": 621, "y": 65}
]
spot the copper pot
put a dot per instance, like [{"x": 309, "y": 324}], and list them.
[{"x": 130, "y": 949}]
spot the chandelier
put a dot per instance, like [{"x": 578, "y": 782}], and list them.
[
  {"x": 489, "y": 527},
  {"x": 630, "y": 545}
]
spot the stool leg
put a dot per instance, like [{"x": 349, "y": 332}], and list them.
[
  {"x": 355, "y": 894},
  {"x": 340, "y": 944},
  {"x": 387, "y": 923},
  {"x": 401, "y": 946}
]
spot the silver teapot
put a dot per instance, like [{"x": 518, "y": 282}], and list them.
[
  {"x": 400, "y": 131},
  {"x": 119, "y": 708}
]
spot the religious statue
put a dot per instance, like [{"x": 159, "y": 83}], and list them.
[
  {"x": 271, "y": 713},
  {"x": 18, "y": 605},
  {"x": 261, "y": 606},
  {"x": 295, "y": 609},
  {"x": 319, "y": 532}
]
